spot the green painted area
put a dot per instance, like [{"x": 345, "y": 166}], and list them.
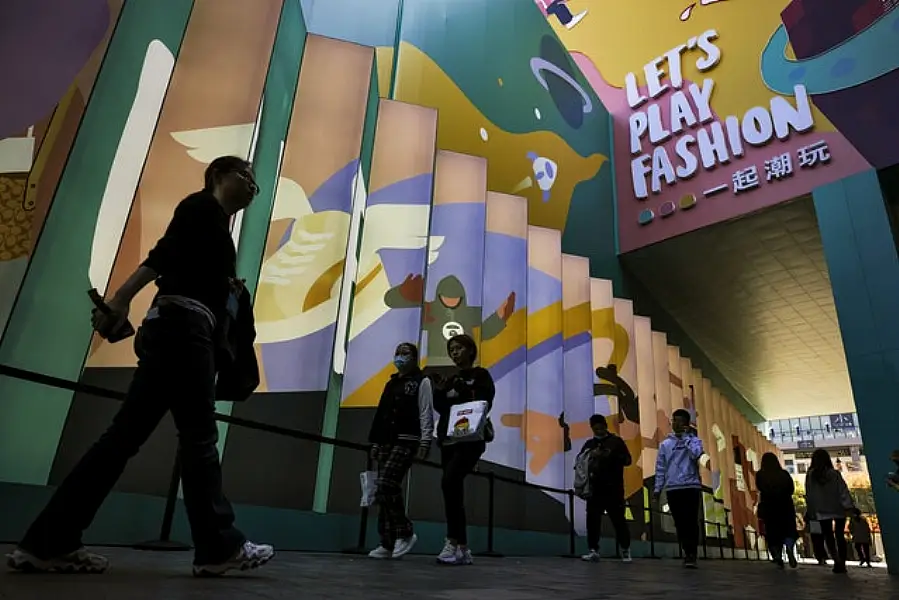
[
  {"x": 52, "y": 303},
  {"x": 277, "y": 106}
]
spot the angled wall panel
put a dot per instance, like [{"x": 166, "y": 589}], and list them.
[
  {"x": 662, "y": 386},
  {"x": 578, "y": 376},
  {"x": 686, "y": 374},
  {"x": 454, "y": 283},
  {"x": 545, "y": 440},
  {"x": 610, "y": 346},
  {"x": 646, "y": 393},
  {"x": 298, "y": 296},
  {"x": 505, "y": 354},
  {"x": 388, "y": 279},
  {"x": 676, "y": 393},
  {"x": 628, "y": 409},
  {"x": 705, "y": 463}
]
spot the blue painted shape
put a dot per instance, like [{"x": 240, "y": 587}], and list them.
[{"x": 646, "y": 216}]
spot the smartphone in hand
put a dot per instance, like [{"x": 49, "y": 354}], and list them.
[{"x": 124, "y": 331}]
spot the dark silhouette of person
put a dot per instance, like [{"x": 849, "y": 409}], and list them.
[{"x": 448, "y": 315}]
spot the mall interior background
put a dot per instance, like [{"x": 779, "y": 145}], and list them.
[{"x": 393, "y": 141}]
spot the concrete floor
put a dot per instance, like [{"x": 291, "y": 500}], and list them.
[{"x": 166, "y": 576}]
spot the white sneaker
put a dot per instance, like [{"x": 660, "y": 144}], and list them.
[
  {"x": 450, "y": 555},
  {"x": 592, "y": 556},
  {"x": 626, "y": 556},
  {"x": 250, "y": 556},
  {"x": 465, "y": 557},
  {"x": 380, "y": 553},
  {"x": 402, "y": 547},
  {"x": 79, "y": 561}
]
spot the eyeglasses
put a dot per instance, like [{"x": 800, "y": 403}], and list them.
[{"x": 254, "y": 188}]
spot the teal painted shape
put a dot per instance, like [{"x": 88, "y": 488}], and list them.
[
  {"x": 277, "y": 105},
  {"x": 860, "y": 59},
  {"x": 477, "y": 43},
  {"x": 864, "y": 272},
  {"x": 49, "y": 329},
  {"x": 335, "y": 385}
]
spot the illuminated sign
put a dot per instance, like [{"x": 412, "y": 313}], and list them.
[{"x": 672, "y": 110}]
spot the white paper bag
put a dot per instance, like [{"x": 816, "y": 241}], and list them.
[
  {"x": 467, "y": 422},
  {"x": 369, "y": 482}
]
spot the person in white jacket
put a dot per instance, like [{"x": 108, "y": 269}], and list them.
[{"x": 829, "y": 502}]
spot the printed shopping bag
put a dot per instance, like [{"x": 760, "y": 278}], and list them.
[
  {"x": 467, "y": 423},
  {"x": 369, "y": 482}
]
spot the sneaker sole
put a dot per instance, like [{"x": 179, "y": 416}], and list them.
[
  {"x": 248, "y": 565},
  {"x": 31, "y": 566},
  {"x": 408, "y": 548}
]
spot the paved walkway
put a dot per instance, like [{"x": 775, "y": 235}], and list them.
[{"x": 145, "y": 575}]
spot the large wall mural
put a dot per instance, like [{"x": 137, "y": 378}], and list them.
[
  {"x": 723, "y": 107},
  {"x": 401, "y": 200}
]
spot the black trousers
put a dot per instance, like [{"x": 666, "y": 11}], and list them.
[
  {"x": 864, "y": 553},
  {"x": 611, "y": 502},
  {"x": 175, "y": 372},
  {"x": 684, "y": 505},
  {"x": 834, "y": 533},
  {"x": 458, "y": 461}
]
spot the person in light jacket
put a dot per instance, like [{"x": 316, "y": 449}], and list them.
[
  {"x": 828, "y": 500},
  {"x": 677, "y": 472}
]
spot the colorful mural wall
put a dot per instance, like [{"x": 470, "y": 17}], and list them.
[
  {"x": 723, "y": 107},
  {"x": 406, "y": 199}
]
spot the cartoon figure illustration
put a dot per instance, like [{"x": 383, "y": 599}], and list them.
[
  {"x": 559, "y": 8},
  {"x": 545, "y": 172},
  {"x": 688, "y": 12},
  {"x": 447, "y": 314}
]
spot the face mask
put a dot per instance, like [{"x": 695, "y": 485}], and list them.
[{"x": 401, "y": 362}]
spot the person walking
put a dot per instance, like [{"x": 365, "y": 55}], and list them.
[
  {"x": 401, "y": 431},
  {"x": 677, "y": 472},
  {"x": 776, "y": 510},
  {"x": 828, "y": 500},
  {"x": 467, "y": 383},
  {"x": 608, "y": 456},
  {"x": 860, "y": 530},
  {"x": 179, "y": 350}
]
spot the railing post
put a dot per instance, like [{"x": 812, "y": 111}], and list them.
[
  {"x": 491, "y": 516},
  {"x": 652, "y": 529},
  {"x": 705, "y": 548},
  {"x": 720, "y": 541},
  {"x": 746, "y": 544},
  {"x": 572, "y": 532},
  {"x": 758, "y": 554},
  {"x": 165, "y": 543},
  {"x": 363, "y": 520}
]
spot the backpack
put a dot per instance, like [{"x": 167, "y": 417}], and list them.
[{"x": 582, "y": 488}]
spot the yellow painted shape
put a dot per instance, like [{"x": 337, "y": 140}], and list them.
[
  {"x": 621, "y": 37},
  {"x": 576, "y": 320},
  {"x": 604, "y": 326},
  {"x": 384, "y": 61},
  {"x": 47, "y": 144},
  {"x": 421, "y": 81},
  {"x": 544, "y": 324},
  {"x": 511, "y": 338},
  {"x": 369, "y": 393}
]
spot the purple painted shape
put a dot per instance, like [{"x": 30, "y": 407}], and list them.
[
  {"x": 543, "y": 290},
  {"x": 300, "y": 365},
  {"x": 575, "y": 341},
  {"x": 462, "y": 252},
  {"x": 414, "y": 191},
  {"x": 44, "y": 44},
  {"x": 509, "y": 363},
  {"x": 505, "y": 270},
  {"x": 544, "y": 349},
  {"x": 337, "y": 192},
  {"x": 372, "y": 350}
]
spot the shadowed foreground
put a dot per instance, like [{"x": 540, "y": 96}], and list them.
[{"x": 145, "y": 575}]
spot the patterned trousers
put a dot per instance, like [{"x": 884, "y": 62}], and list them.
[{"x": 393, "y": 464}]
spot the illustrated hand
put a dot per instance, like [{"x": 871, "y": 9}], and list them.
[
  {"x": 413, "y": 288},
  {"x": 507, "y": 308},
  {"x": 105, "y": 323}
]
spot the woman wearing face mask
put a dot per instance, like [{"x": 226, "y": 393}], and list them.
[
  {"x": 401, "y": 431},
  {"x": 466, "y": 384}
]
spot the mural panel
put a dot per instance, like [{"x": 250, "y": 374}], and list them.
[
  {"x": 646, "y": 394},
  {"x": 505, "y": 272}
]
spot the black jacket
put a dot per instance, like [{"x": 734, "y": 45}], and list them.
[
  {"x": 471, "y": 384},
  {"x": 405, "y": 411},
  {"x": 607, "y": 472},
  {"x": 235, "y": 361}
]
